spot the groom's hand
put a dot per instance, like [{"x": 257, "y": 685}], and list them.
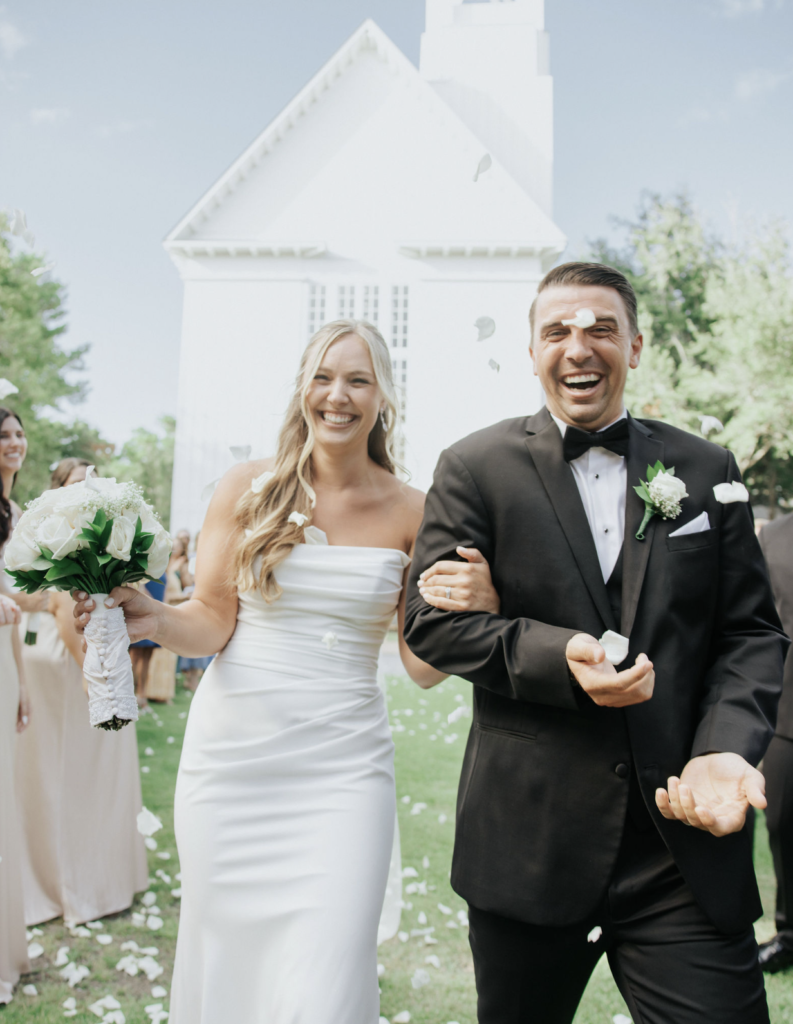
[
  {"x": 586, "y": 660},
  {"x": 713, "y": 793}
]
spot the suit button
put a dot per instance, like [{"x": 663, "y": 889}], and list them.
[{"x": 622, "y": 770}]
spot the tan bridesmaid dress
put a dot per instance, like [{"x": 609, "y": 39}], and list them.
[
  {"x": 13, "y": 945},
  {"x": 79, "y": 793}
]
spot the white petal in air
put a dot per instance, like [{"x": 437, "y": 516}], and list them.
[
  {"x": 620, "y": 1018},
  {"x": 7, "y": 388},
  {"x": 595, "y": 934},
  {"x": 297, "y": 518},
  {"x": 444, "y": 909},
  {"x": 731, "y": 492},
  {"x": 486, "y": 327},
  {"x": 583, "y": 318},
  {"x": 241, "y": 452},
  {"x": 493, "y": 365},
  {"x": 330, "y": 640},
  {"x": 19, "y": 223},
  {"x": 151, "y": 844},
  {"x": 708, "y": 424},
  {"x": 484, "y": 165},
  {"x": 260, "y": 482},
  {"x": 458, "y": 713},
  {"x": 148, "y": 823},
  {"x": 40, "y": 271},
  {"x": 615, "y": 645},
  {"x": 209, "y": 490}
]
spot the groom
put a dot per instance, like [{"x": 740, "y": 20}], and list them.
[{"x": 603, "y": 809}]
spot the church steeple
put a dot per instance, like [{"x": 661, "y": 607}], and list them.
[{"x": 490, "y": 62}]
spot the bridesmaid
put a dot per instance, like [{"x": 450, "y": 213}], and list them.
[
  {"x": 14, "y": 712},
  {"x": 78, "y": 788}
]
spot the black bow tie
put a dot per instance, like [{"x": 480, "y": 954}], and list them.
[{"x": 615, "y": 438}]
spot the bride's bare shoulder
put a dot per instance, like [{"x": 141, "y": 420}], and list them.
[{"x": 233, "y": 484}]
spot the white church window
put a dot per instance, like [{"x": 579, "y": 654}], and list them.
[
  {"x": 399, "y": 316},
  {"x": 346, "y": 301},
  {"x": 316, "y": 308},
  {"x": 371, "y": 303}
]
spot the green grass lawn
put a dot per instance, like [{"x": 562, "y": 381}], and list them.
[{"x": 427, "y": 772}]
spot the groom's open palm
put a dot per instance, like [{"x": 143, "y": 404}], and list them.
[{"x": 713, "y": 793}]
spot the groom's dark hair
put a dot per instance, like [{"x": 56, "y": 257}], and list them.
[{"x": 591, "y": 273}]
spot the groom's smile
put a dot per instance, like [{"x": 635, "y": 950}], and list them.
[{"x": 583, "y": 369}]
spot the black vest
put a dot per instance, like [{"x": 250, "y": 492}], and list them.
[{"x": 637, "y": 809}]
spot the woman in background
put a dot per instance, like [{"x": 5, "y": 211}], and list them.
[
  {"x": 14, "y": 714},
  {"x": 78, "y": 788}
]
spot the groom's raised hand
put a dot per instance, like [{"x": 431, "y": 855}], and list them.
[
  {"x": 713, "y": 793},
  {"x": 586, "y": 660}
]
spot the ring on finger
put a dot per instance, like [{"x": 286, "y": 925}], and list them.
[{"x": 448, "y": 593}]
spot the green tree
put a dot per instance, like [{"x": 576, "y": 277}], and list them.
[
  {"x": 717, "y": 322},
  {"x": 147, "y": 458},
  {"x": 32, "y": 321}
]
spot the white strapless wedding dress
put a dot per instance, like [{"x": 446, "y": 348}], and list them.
[{"x": 285, "y": 801}]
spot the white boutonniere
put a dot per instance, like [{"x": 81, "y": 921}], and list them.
[{"x": 661, "y": 493}]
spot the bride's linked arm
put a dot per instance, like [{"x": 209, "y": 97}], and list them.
[{"x": 203, "y": 625}]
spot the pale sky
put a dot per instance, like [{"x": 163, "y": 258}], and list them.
[{"x": 115, "y": 117}]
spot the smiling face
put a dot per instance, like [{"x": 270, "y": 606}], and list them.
[
  {"x": 13, "y": 446},
  {"x": 343, "y": 397},
  {"x": 583, "y": 369}
]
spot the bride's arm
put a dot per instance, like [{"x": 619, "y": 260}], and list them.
[
  {"x": 419, "y": 671},
  {"x": 203, "y": 625}
]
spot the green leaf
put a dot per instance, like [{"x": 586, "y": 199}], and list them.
[
  {"x": 105, "y": 535},
  {"x": 104, "y": 558},
  {"x": 62, "y": 569},
  {"x": 91, "y": 562},
  {"x": 100, "y": 520}
]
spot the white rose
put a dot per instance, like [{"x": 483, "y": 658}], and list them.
[
  {"x": 666, "y": 487},
  {"x": 159, "y": 552},
  {"x": 149, "y": 521},
  {"x": 58, "y": 535},
  {"x": 122, "y": 534},
  {"x": 21, "y": 551}
]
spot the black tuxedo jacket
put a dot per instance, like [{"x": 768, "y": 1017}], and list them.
[
  {"x": 776, "y": 540},
  {"x": 544, "y": 787}
]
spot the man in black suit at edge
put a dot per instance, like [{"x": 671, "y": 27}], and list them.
[
  {"x": 776, "y": 541},
  {"x": 602, "y": 810}
]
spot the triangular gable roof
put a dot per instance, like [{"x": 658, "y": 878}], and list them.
[{"x": 186, "y": 234}]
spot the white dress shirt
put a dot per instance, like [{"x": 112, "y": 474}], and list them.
[{"x": 602, "y": 480}]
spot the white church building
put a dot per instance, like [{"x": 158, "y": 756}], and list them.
[{"x": 417, "y": 199}]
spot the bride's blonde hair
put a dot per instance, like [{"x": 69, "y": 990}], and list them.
[{"x": 263, "y": 518}]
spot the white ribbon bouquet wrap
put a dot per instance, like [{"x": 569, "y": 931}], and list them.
[{"x": 93, "y": 536}]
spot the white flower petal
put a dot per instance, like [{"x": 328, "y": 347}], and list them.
[
  {"x": 418, "y": 807},
  {"x": 403, "y": 936},
  {"x": 209, "y": 490},
  {"x": 583, "y": 318},
  {"x": 260, "y": 482},
  {"x": 19, "y": 222},
  {"x": 241, "y": 452},
  {"x": 297, "y": 518},
  {"x": 151, "y": 844},
  {"x": 159, "y": 992},
  {"x": 35, "y": 950},
  {"x": 104, "y": 939},
  {"x": 433, "y": 961},
  {"x": 620, "y": 1018},
  {"x": 62, "y": 956},
  {"x": 420, "y": 978},
  {"x": 444, "y": 909},
  {"x": 29, "y": 990},
  {"x": 708, "y": 424},
  {"x": 462, "y": 711},
  {"x": 7, "y": 388},
  {"x": 422, "y": 918},
  {"x": 484, "y": 165},
  {"x": 401, "y": 1018},
  {"x": 330, "y": 640},
  {"x": 486, "y": 327},
  {"x": 40, "y": 271},
  {"x": 493, "y": 365},
  {"x": 729, "y": 493},
  {"x": 595, "y": 934},
  {"x": 148, "y": 823},
  {"x": 615, "y": 645}
]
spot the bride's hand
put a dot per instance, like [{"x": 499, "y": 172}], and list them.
[
  {"x": 141, "y": 612},
  {"x": 468, "y": 582}
]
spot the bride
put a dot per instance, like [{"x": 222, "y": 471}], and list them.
[{"x": 285, "y": 800}]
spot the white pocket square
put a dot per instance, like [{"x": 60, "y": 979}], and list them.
[{"x": 698, "y": 525}]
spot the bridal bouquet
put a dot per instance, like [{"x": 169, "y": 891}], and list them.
[{"x": 93, "y": 536}]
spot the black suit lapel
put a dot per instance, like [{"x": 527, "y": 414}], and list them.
[
  {"x": 644, "y": 451},
  {"x": 545, "y": 446}
]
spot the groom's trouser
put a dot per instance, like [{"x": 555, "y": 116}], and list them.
[
  {"x": 670, "y": 963},
  {"x": 778, "y": 771}
]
